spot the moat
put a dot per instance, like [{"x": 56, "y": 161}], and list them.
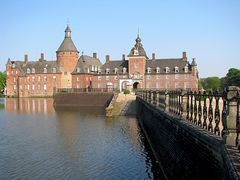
[{"x": 39, "y": 142}]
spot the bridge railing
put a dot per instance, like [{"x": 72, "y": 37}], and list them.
[{"x": 214, "y": 111}]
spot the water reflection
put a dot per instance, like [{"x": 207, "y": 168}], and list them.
[{"x": 41, "y": 142}]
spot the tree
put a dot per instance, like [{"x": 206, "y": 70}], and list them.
[
  {"x": 211, "y": 83},
  {"x": 231, "y": 79},
  {"x": 2, "y": 81}
]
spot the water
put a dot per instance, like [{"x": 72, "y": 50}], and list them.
[{"x": 39, "y": 142}]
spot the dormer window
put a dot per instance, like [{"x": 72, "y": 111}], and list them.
[
  {"x": 13, "y": 65},
  {"x": 148, "y": 70},
  {"x": 158, "y": 70},
  {"x": 176, "y": 69},
  {"x": 33, "y": 70},
  {"x": 124, "y": 70},
  {"x": 107, "y": 71},
  {"x": 78, "y": 69},
  {"x": 28, "y": 70},
  {"x": 167, "y": 69},
  {"x": 115, "y": 70},
  {"x": 54, "y": 70},
  {"x": 186, "y": 68},
  {"x": 45, "y": 70},
  {"x": 99, "y": 71}
]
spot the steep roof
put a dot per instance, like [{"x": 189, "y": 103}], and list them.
[
  {"x": 111, "y": 65},
  {"x": 170, "y": 63},
  {"x": 67, "y": 44},
  {"x": 38, "y": 66},
  {"x": 86, "y": 62},
  {"x": 138, "y": 49}
]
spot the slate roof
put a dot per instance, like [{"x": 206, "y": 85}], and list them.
[
  {"x": 67, "y": 44},
  {"x": 37, "y": 65},
  {"x": 138, "y": 49},
  {"x": 111, "y": 65},
  {"x": 170, "y": 63},
  {"x": 86, "y": 62}
]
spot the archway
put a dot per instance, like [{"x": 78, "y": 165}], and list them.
[{"x": 135, "y": 85}]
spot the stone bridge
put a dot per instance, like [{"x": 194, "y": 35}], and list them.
[{"x": 194, "y": 135}]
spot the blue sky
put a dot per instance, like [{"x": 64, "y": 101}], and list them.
[{"x": 209, "y": 30}]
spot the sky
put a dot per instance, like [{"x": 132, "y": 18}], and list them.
[{"x": 208, "y": 30}]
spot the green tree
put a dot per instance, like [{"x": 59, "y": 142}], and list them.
[
  {"x": 211, "y": 83},
  {"x": 231, "y": 79},
  {"x": 2, "y": 81}
]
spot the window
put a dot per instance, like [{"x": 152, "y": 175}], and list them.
[
  {"x": 54, "y": 70},
  {"x": 176, "y": 76},
  {"x": 135, "y": 63},
  {"x": 45, "y": 79},
  {"x": 28, "y": 70},
  {"x": 77, "y": 79},
  {"x": 14, "y": 79},
  {"x": 33, "y": 70},
  {"x": 93, "y": 68},
  {"x": 176, "y": 69},
  {"x": 158, "y": 70},
  {"x": 186, "y": 68},
  {"x": 157, "y": 77},
  {"x": 176, "y": 85},
  {"x": 186, "y": 76},
  {"x": 33, "y": 78},
  {"x": 148, "y": 70},
  {"x": 167, "y": 76},
  {"x": 107, "y": 71},
  {"x": 167, "y": 69},
  {"x": 148, "y": 77},
  {"x": 39, "y": 78},
  {"x": 99, "y": 78},
  {"x": 115, "y": 70},
  {"x": 186, "y": 85},
  {"x": 39, "y": 87},
  {"x": 14, "y": 86},
  {"x": 54, "y": 78},
  {"x": 33, "y": 87},
  {"x": 45, "y": 70},
  {"x": 13, "y": 65},
  {"x": 116, "y": 78},
  {"x": 78, "y": 69},
  {"x": 124, "y": 70},
  {"x": 45, "y": 87},
  {"x": 107, "y": 77},
  {"x": 157, "y": 85}
]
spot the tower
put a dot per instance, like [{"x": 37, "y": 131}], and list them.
[
  {"x": 137, "y": 62},
  {"x": 67, "y": 57}
]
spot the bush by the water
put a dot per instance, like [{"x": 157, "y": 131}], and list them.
[{"x": 126, "y": 91}]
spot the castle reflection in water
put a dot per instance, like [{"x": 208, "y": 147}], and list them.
[{"x": 29, "y": 105}]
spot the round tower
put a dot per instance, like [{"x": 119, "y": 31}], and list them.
[{"x": 67, "y": 57}]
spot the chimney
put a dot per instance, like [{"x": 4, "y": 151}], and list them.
[
  {"x": 25, "y": 58},
  {"x": 107, "y": 58},
  {"x": 95, "y": 55},
  {"x": 184, "y": 56},
  {"x": 153, "y": 56},
  {"x": 42, "y": 56},
  {"x": 123, "y": 57}
]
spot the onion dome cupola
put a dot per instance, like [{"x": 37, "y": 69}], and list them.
[
  {"x": 138, "y": 49},
  {"x": 67, "y": 44},
  {"x": 193, "y": 62}
]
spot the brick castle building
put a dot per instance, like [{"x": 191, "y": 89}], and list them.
[{"x": 42, "y": 77}]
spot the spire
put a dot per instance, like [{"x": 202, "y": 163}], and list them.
[
  {"x": 138, "y": 49},
  {"x": 67, "y": 44},
  {"x": 193, "y": 62},
  {"x": 67, "y": 32}
]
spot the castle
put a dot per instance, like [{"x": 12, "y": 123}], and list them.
[{"x": 42, "y": 77}]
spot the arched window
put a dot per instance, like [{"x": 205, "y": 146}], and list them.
[
  {"x": 107, "y": 71},
  {"x": 186, "y": 68},
  {"x": 28, "y": 70},
  {"x": 148, "y": 70},
  {"x": 157, "y": 69},
  {"x": 124, "y": 70},
  {"x": 78, "y": 69},
  {"x": 115, "y": 70}
]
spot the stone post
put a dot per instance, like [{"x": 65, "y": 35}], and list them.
[
  {"x": 232, "y": 122},
  {"x": 166, "y": 101}
]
